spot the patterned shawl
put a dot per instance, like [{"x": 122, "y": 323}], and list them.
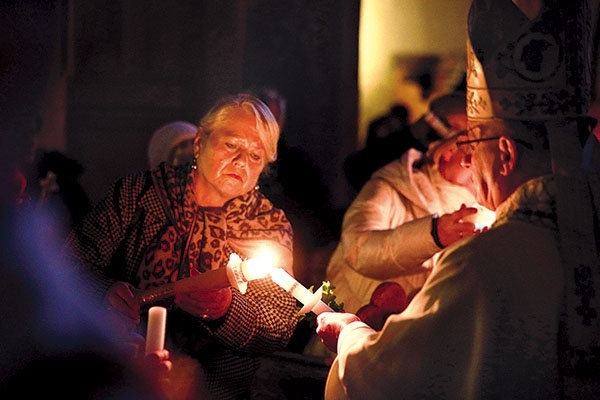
[{"x": 202, "y": 238}]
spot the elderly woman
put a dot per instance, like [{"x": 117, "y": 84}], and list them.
[{"x": 174, "y": 222}]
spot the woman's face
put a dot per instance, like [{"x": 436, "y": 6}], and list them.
[{"x": 230, "y": 160}]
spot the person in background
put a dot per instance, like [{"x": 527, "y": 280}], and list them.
[
  {"x": 408, "y": 211},
  {"x": 444, "y": 111},
  {"x": 50, "y": 335},
  {"x": 174, "y": 222},
  {"x": 59, "y": 191},
  {"x": 388, "y": 137},
  {"x": 172, "y": 143}
]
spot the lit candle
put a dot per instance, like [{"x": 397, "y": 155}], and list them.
[
  {"x": 311, "y": 301},
  {"x": 155, "y": 333},
  {"x": 484, "y": 218},
  {"x": 264, "y": 264},
  {"x": 236, "y": 274}
]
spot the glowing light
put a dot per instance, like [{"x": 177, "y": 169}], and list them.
[
  {"x": 484, "y": 217},
  {"x": 259, "y": 266},
  {"x": 265, "y": 263}
]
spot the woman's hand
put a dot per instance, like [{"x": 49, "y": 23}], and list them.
[
  {"x": 329, "y": 326},
  {"x": 120, "y": 299},
  {"x": 206, "y": 304}
]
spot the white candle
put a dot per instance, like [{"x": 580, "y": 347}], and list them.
[
  {"x": 311, "y": 301},
  {"x": 262, "y": 265},
  {"x": 155, "y": 333}
]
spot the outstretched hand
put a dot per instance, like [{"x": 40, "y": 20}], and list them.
[{"x": 329, "y": 326}]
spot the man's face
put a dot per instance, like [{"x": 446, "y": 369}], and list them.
[{"x": 482, "y": 157}]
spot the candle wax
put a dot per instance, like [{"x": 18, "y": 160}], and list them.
[
  {"x": 155, "y": 333},
  {"x": 292, "y": 286},
  {"x": 311, "y": 301}
]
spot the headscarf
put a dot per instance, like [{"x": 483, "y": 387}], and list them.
[{"x": 166, "y": 138}]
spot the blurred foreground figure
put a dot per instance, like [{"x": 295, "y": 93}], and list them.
[
  {"x": 512, "y": 313},
  {"x": 50, "y": 334}
]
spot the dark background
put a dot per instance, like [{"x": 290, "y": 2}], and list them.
[{"x": 104, "y": 74}]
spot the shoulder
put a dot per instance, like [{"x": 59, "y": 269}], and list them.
[
  {"x": 133, "y": 183},
  {"x": 255, "y": 205},
  {"x": 502, "y": 247},
  {"x": 137, "y": 191}
]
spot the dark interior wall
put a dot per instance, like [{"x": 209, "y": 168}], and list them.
[
  {"x": 309, "y": 51},
  {"x": 25, "y": 59},
  {"x": 139, "y": 64}
]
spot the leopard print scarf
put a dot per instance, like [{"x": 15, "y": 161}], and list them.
[{"x": 198, "y": 238}]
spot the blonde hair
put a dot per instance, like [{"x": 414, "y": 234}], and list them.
[{"x": 266, "y": 124}]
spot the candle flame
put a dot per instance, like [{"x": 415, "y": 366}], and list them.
[
  {"x": 260, "y": 265},
  {"x": 484, "y": 217}
]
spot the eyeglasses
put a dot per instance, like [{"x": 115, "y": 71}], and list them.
[{"x": 465, "y": 142}]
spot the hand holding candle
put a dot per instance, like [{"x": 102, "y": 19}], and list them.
[
  {"x": 155, "y": 334},
  {"x": 236, "y": 274}
]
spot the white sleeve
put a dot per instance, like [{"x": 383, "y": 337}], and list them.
[{"x": 380, "y": 236}]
